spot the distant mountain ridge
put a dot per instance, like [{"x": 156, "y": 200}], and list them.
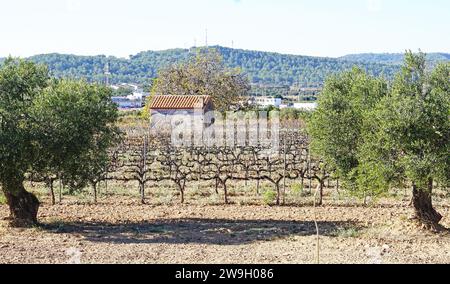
[
  {"x": 392, "y": 58},
  {"x": 265, "y": 68}
]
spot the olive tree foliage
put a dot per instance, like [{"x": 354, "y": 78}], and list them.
[
  {"x": 85, "y": 131},
  {"x": 205, "y": 75},
  {"x": 377, "y": 137},
  {"x": 337, "y": 126},
  {"x": 51, "y": 128}
]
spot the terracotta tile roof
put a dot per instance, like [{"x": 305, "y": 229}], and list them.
[{"x": 179, "y": 102}]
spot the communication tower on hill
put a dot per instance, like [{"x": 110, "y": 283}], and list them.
[{"x": 107, "y": 74}]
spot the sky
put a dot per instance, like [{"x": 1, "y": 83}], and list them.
[{"x": 304, "y": 27}]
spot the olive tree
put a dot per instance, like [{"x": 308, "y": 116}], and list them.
[
  {"x": 377, "y": 137},
  {"x": 408, "y": 136},
  {"x": 205, "y": 75},
  {"x": 48, "y": 126}
]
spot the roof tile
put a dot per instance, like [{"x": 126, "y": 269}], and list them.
[{"x": 179, "y": 102}]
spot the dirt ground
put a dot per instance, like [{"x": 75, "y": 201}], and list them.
[{"x": 121, "y": 230}]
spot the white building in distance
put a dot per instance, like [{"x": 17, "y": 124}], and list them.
[
  {"x": 305, "y": 106},
  {"x": 265, "y": 102}
]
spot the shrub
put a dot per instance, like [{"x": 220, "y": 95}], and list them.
[
  {"x": 348, "y": 233},
  {"x": 2, "y": 199},
  {"x": 269, "y": 196},
  {"x": 297, "y": 189}
]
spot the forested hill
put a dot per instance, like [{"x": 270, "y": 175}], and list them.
[
  {"x": 261, "y": 67},
  {"x": 392, "y": 58}
]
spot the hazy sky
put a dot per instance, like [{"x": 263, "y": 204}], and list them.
[{"x": 307, "y": 27}]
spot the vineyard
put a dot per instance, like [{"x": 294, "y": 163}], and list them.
[
  {"x": 144, "y": 160},
  {"x": 148, "y": 159},
  {"x": 214, "y": 204}
]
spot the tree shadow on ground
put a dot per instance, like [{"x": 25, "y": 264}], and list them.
[{"x": 197, "y": 231}]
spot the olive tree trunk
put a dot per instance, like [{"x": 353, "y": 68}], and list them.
[
  {"x": 423, "y": 207},
  {"x": 23, "y": 205}
]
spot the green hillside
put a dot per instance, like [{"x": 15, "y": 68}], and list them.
[
  {"x": 261, "y": 67},
  {"x": 264, "y": 68}
]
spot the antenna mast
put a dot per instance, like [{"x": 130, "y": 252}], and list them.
[{"x": 107, "y": 73}]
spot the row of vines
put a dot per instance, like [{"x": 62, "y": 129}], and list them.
[{"x": 148, "y": 159}]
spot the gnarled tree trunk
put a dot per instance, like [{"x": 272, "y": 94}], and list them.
[
  {"x": 181, "y": 186},
  {"x": 423, "y": 207},
  {"x": 217, "y": 186},
  {"x": 322, "y": 183},
  {"x": 52, "y": 192},
  {"x": 23, "y": 205},
  {"x": 277, "y": 187},
  {"x": 94, "y": 190},
  {"x": 142, "y": 186},
  {"x": 225, "y": 191}
]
